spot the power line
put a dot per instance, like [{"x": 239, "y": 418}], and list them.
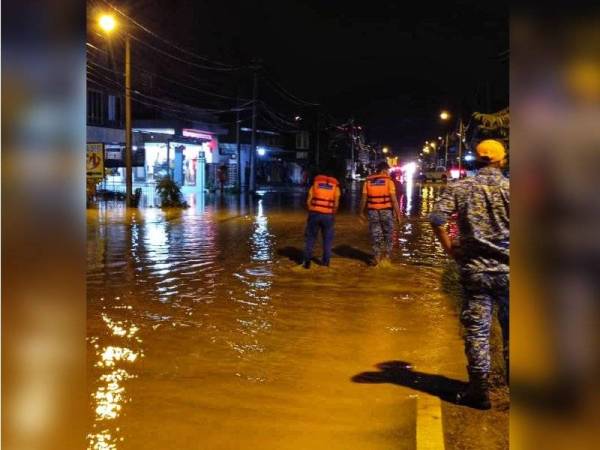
[
  {"x": 276, "y": 117},
  {"x": 176, "y": 58},
  {"x": 169, "y": 102},
  {"x": 165, "y": 41},
  {"x": 288, "y": 94},
  {"x": 201, "y": 91}
]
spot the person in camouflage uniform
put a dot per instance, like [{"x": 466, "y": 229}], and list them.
[
  {"x": 482, "y": 253},
  {"x": 379, "y": 199}
]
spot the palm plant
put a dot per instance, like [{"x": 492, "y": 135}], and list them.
[{"x": 170, "y": 193}]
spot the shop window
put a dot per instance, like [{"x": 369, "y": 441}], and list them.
[
  {"x": 94, "y": 106},
  {"x": 302, "y": 140},
  {"x": 114, "y": 109}
]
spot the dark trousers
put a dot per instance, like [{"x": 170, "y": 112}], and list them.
[
  {"x": 316, "y": 222},
  {"x": 482, "y": 292}
]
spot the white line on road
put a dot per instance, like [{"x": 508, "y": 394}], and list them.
[{"x": 430, "y": 433}]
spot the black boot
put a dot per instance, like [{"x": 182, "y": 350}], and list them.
[{"x": 476, "y": 395}]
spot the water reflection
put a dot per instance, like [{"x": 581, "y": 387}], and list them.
[
  {"x": 113, "y": 364},
  {"x": 255, "y": 311}
]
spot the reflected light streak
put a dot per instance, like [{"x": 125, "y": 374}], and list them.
[
  {"x": 110, "y": 396},
  {"x": 409, "y": 194}
]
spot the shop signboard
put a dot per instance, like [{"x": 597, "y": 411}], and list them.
[
  {"x": 95, "y": 160},
  {"x": 114, "y": 156}
]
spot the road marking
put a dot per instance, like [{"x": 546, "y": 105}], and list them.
[{"x": 430, "y": 433}]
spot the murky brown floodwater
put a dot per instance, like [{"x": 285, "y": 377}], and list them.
[{"x": 205, "y": 334}]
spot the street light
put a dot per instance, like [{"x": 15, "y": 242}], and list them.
[
  {"x": 385, "y": 150},
  {"x": 444, "y": 115},
  {"x": 108, "y": 23}
]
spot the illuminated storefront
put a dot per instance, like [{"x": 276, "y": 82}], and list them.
[{"x": 181, "y": 154}]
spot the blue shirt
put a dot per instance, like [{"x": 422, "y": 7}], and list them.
[{"x": 482, "y": 207}]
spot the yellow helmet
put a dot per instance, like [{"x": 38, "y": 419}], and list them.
[{"x": 491, "y": 150}]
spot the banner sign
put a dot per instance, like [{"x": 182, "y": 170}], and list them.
[{"x": 95, "y": 160}]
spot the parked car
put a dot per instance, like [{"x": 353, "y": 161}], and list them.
[
  {"x": 435, "y": 175},
  {"x": 440, "y": 174}
]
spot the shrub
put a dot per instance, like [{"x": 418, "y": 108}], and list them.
[{"x": 170, "y": 194}]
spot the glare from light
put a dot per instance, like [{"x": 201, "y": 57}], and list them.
[
  {"x": 440, "y": 138},
  {"x": 385, "y": 150},
  {"x": 444, "y": 115},
  {"x": 107, "y": 23},
  {"x": 426, "y": 150},
  {"x": 454, "y": 174},
  {"x": 469, "y": 158},
  {"x": 261, "y": 151},
  {"x": 409, "y": 169}
]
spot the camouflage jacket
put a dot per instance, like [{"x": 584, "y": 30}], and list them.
[{"x": 481, "y": 204}]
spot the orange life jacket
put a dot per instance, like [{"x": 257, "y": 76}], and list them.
[
  {"x": 323, "y": 195},
  {"x": 378, "y": 192}
]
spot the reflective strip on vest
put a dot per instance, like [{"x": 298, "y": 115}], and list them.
[
  {"x": 323, "y": 195},
  {"x": 378, "y": 192}
]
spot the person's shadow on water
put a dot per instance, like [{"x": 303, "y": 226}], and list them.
[
  {"x": 294, "y": 254},
  {"x": 402, "y": 374},
  {"x": 346, "y": 251}
]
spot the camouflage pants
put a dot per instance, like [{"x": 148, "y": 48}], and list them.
[
  {"x": 381, "y": 227},
  {"x": 482, "y": 291}
]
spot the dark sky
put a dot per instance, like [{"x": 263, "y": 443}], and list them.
[{"x": 390, "y": 65}]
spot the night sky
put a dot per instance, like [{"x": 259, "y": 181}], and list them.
[{"x": 391, "y": 66}]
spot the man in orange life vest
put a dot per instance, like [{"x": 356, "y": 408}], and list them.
[
  {"x": 379, "y": 197},
  {"x": 322, "y": 202}
]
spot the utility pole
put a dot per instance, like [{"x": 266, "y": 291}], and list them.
[
  {"x": 460, "y": 140},
  {"x": 253, "y": 140},
  {"x": 446, "y": 154},
  {"x": 128, "y": 144},
  {"x": 318, "y": 141},
  {"x": 237, "y": 144}
]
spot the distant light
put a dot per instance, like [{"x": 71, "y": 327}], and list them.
[
  {"x": 426, "y": 150},
  {"x": 454, "y": 173},
  {"x": 409, "y": 169},
  {"x": 261, "y": 151},
  {"x": 469, "y": 158},
  {"x": 385, "y": 150},
  {"x": 426, "y": 142},
  {"x": 107, "y": 22},
  {"x": 444, "y": 115},
  {"x": 440, "y": 138},
  {"x": 297, "y": 118}
]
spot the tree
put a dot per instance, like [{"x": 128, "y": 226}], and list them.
[{"x": 495, "y": 125}]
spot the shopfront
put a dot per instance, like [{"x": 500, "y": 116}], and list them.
[{"x": 182, "y": 155}]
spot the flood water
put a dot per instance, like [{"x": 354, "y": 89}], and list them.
[{"x": 204, "y": 333}]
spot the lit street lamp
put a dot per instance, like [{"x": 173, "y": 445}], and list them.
[
  {"x": 108, "y": 23},
  {"x": 385, "y": 150},
  {"x": 445, "y": 115}
]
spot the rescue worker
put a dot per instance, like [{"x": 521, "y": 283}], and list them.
[
  {"x": 322, "y": 202},
  {"x": 379, "y": 198},
  {"x": 482, "y": 253}
]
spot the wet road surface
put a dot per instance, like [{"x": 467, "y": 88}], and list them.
[{"x": 204, "y": 333}]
